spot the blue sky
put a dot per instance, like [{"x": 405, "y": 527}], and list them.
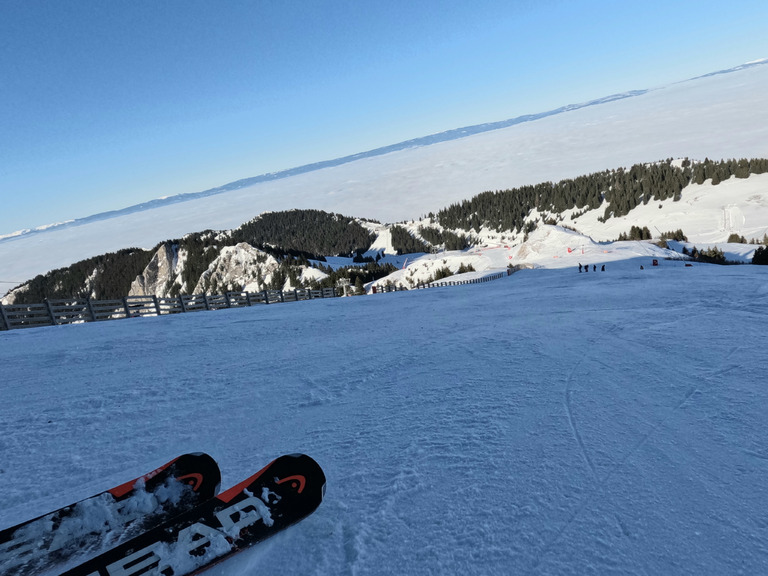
[{"x": 108, "y": 104}]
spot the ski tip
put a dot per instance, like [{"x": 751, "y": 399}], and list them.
[
  {"x": 297, "y": 472},
  {"x": 196, "y": 469},
  {"x": 302, "y": 474},
  {"x": 200, "y": 471}
]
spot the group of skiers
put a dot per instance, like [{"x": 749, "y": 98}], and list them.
[{"x": 594, "y": 268}]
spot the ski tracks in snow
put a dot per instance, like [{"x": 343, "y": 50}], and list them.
[
  {"x": 599, "y": 483},
  {"x": 572, "y": 421}
]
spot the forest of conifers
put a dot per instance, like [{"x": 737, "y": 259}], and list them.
[{"x": 622, "y": 189}]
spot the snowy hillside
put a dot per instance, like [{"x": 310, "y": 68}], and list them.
[
  {"x": 707, "y": 213},
  {"x": 546, "y": 423},
  {"x": 483, "y": 238},
  {"x": 719, "y": 116},
  {"x": 548, "y": 247}
]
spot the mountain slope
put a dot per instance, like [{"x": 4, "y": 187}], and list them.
[
  {"x": 719, "y": 116},
  {"x": 704, "y": 199}
]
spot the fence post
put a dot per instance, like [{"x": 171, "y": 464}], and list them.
[
  {"x": 205, "y": 299},
  {"x": 90, "y": 310},
  {"x": 157, "y": 304},
  {"x": 127, "y": 308},
  {"x": 4, "y": 316},
  {"x": 183, "y": 304},
  {"x": 50, "y": 312},
  {"x": 282, "y": 296},
  {"x": 227, "y": 300},
  {"x": 248, "y": 299},
  {"x": 266, "y": 296}
]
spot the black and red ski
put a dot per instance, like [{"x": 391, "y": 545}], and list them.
[
  {"x": 107, "y": 518},
  {"x": 281, "y": 494}
]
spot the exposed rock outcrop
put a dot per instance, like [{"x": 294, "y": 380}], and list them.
[
  {"x": 239, "y": 267},
  {"x": 160, "y": 274}
]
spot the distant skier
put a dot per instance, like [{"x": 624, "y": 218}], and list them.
[
  {"x": 580, "y": 267},
  {"x": 594, "y": 267},
  {"x": 586, "y": 268},
  {"x": 602, "y": 268}
]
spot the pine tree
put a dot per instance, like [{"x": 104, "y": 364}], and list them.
[{"x": 761, "y": 256}]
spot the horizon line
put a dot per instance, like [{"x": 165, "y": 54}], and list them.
[{"x": 428, "y": 140}]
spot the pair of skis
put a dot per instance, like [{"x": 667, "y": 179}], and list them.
[{"x": 170, "y": 522}]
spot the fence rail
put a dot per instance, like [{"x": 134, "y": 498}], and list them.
[
  {"x": 440, "y": 283},
  {"x": 78, "y": 310}
]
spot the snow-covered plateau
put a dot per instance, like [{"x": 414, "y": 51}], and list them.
[{"x": 549, "y": 422}]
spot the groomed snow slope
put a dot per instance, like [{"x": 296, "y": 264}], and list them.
[
  {"x": 721, "y": 116},
  {"x": 546, "y": 423}
]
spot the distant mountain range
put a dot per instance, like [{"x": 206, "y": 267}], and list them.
[
  {"x": 429, "y": 140},
  {"x": 446, "y": 136}
]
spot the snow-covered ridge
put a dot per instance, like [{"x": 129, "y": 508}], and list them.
[
  {"x": 43, "y": 228},
  {"x": 753, "y": 63}
]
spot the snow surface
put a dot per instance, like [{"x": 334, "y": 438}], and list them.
[
  {"x": 719, "y": 116},
  {"x": 549, "y": 422}
]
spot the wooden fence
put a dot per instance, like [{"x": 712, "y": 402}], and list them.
[
  {"x": 77, "y": 310},
  {"x": 439, "y": 283},
  {"x": 444, "y": 282}
]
